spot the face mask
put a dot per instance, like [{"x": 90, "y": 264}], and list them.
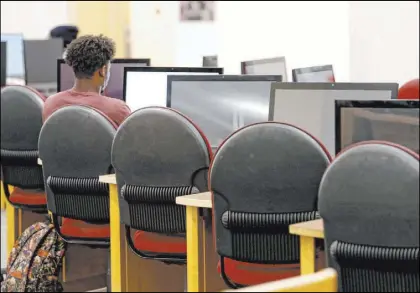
[{"x": 108, "y": 76}]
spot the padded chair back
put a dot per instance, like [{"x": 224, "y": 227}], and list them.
[
  {"x": 158, "y": 154},
  {"x": 75, "y": 149},
  {"x": 410, "y": 90},
  {"x": 21, "y": 122},
  {"x": 263, "y": 178},
  {"x": 369, "y": 201}
]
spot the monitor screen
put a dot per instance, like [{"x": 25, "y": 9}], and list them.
[
  {"x": 15, "y": 55},
  {"x": 310, "y": 106},
  {"x": 41, "y": 60},
  {"x": 209, "y": 61},
  {"x": 314, "y": 74},
  {"x": 3, "y": 63},
  {"x": 395, "y": 121},
  {"x": 144, "y": 87},
  {"x": 220, "y": 105},
  {"x": 270, "y": 66},
  {"x": 115, "y": 83}
]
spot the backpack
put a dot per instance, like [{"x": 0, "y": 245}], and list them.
[{"x": 35, "y": 261}]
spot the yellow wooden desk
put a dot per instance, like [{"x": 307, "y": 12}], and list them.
[
  {"x": 308, "y": 232},
  {"x": 195, "y": 270},
  {"x": 323, "y": 281},
  {"x": 130, "y": 273}
]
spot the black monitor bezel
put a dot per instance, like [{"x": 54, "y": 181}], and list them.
[
  {"x": 321, "y": 68},
  {"x": 116, "y": 60},
  {"x": 372, "y": 104},
  {"x": 4, "y": 64},
  {"x": 244, "y": 64},
  {"x": 23, "y": 54},
  {"x": 218, "y": 70},
  {"x": 210, "y": 78},
  {"x": 345, "y": 86}
]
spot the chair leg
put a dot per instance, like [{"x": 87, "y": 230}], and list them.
[{"x": 108, "y": 274}]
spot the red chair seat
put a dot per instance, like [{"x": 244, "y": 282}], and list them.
[
  {"x": 253, "y": 274},
  {"x": 22, "y": 197},
  {"x": 152, "y": 242},
  {"x": 80, "y": 229}
]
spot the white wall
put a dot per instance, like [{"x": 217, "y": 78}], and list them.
[
  {"x": 34, "y": 19},
  {"x": 365, "y": 41},
  {"x": 306, "y": 33},
  {"x": 384, "y": 41}
]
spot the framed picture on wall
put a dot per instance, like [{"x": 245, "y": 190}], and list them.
[{"x": 197, "y": 10}]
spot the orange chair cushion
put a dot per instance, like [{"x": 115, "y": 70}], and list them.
[
  {"x": 80, "y": 229},
  {"x": 253, "y": 274},
  {"x": 152, "y": 242},
  {"x": 22, "y": 197}
]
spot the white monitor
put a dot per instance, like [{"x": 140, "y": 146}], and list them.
[
  {"x": 147, "y": 86},
  {"x": 310, "y": 106},
  {"x": 323, "y": 73},
  {"x": 15, "y": 56},
  {"x": 220, "y": 105},
  {"x": 268, "y": 66}
]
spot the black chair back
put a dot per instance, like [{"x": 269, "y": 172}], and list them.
[
  {"x": 21, "y": 122},
  {"x": 263, "y": 178},
  {"x": 369, "y": 201},
  {"x": 158, "y": 154},
  {"x": 75, "y": 149}
]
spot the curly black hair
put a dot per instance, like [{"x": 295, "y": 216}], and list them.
[{"x": 89, "y": 53}]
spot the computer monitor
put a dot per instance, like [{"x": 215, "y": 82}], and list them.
[
  {"x": 310, "y": 106},
  {"x": 395, "y": 121},
  {"x": 3, "y": 63},
  {"x": 220, "y": 105},
  {"x": 65, "y": 76},
  {"x": 147, "y": 86},
  {"x": 269, "y": 66},
  {"x": 15, "y": 63},
  {"x": 323, "y": 73},
  {"x": 41, "y": 59},
  {"x": 210, "y": 61}
]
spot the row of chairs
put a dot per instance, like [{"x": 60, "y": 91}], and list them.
[{"x": 263, "y": 178}]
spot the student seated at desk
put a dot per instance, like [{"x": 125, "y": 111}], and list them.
[{"x": 90, "y": 57}]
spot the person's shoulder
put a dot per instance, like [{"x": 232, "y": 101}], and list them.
[
  {"x": 116, "y": 102},
  {"x": 58, "y": 95}
]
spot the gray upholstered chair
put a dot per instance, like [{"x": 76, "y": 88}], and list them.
[
  {"x": 21, "y": 122},
  {"x": 369, "y": 201},
  {"x": 263, "y": 178},
  {"x": 75, "y": 148},
  {"x": 158, "y": 154}
]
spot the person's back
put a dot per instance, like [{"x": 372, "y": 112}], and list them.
[{"x": 90, "y": 57}]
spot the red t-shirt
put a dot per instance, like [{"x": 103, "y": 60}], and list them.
[{"x": 115, "y": 109}]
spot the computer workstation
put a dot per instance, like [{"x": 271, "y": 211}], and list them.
[
  {"x": 395, "y": 121},
  {"x": 220, "y": 105},
  {"x": 40, "y": 62},
  {"x": 324, "y": 73},
  {"x": 210, "y": 61},
  {"x": 147, "y": 86},
  {"x": 15, "y": 60},
  {"x": 266, "y": 66},
  {"x": 310, "y": 106},
  {"x": 114, "y": 89}
]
